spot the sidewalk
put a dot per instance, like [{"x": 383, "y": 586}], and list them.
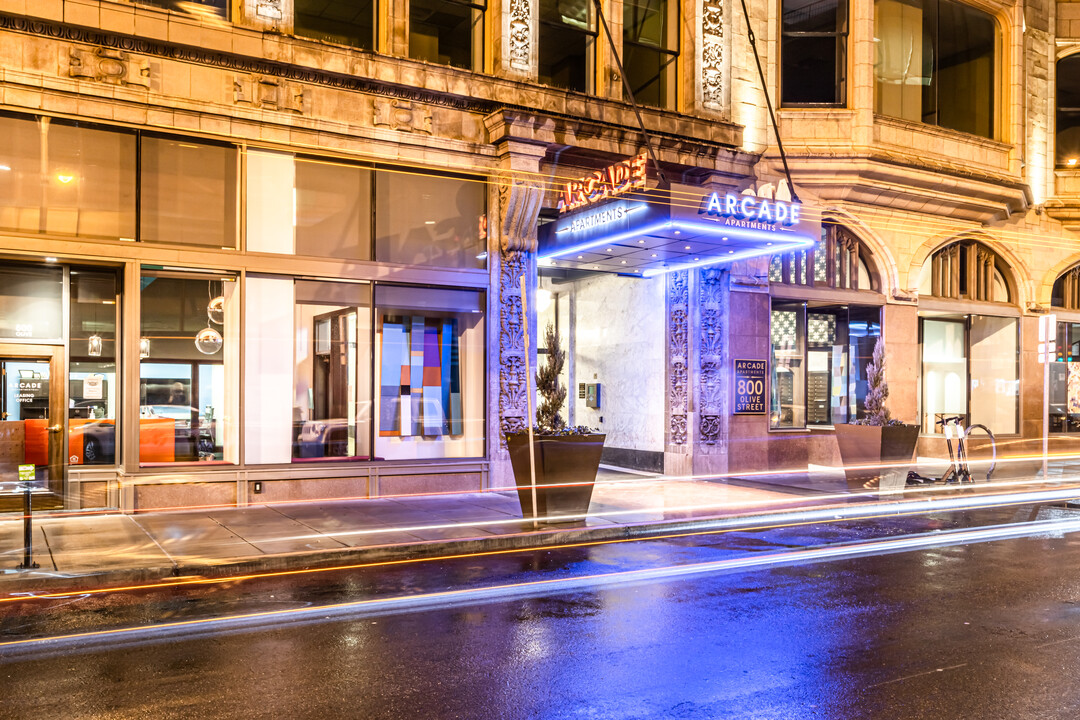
[{"x": 110, "y": 549}]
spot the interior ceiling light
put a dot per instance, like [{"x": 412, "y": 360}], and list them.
[
  {"x": 215, "y": 310},
  {"x": 144, "y": 347},
  {"x": 208, "y": 341},
  {"x": 94, "y": 346}
]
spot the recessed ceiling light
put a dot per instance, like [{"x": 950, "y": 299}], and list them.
[
  {"x": 623, "y": 262},
  {"x": 729, "y": 252},
  {"x": 678, "y": 232},
  {"x": 579, "y": 257},
  {"x": 1071, "y": 162},
  {"x": 654, "y": 254},
  {"x": 723, "y": 239},
  {"x": 607, "y": 249},
  {"x": 595, "y": 267},
  {"x": 686, "y": 248},
  {"x": 50, "y": 259},
  {"x": 768, "y": 243},
  {"x": 696, "y": 259},
  {"x": 641, "y": 242}
]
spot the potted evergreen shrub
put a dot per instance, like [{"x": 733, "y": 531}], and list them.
[
  {"x": 567, "y": 458},
  {"x": 875, "y": 440}
]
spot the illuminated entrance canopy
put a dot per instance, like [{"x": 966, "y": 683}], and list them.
[{"x": 651, "y": 232}]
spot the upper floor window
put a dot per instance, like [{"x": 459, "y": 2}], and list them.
[
  {"x": 203, "y": 8},
  {"x": 1068, "y": 112},
  {"x": 448, "y": 32},
  {"x": 567, "y": 41},
  {"x": 348, "y": 22},
  {"x": 965, "y": 270},
  {"x": 936, "y": 63},
  {"x": 650, "y": 49},
  {"x": 838, "y": 260},
  {"x": 814, "y": 52}
]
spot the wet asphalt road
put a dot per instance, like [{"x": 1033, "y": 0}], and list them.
[{"x": 983, "y": 630}]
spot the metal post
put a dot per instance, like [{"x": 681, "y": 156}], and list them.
[
  {"x": 528, "y": 396},
  {"x": 28, "y": 531}
]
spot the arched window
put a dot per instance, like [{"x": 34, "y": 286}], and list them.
[
  {"x": 970, "y": 360},
  {"x": 822, "y": 344},
  {"x": 965, "y": 270},
  {"x": 838, "y": 260},
  {"x": 1066, "y": 292},
  {"x": 1068, "y": 112}
]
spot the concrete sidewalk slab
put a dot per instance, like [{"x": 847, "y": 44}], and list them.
[{"x": 116, "y": 549}]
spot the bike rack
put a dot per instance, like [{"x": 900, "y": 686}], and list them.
[{"x": 993, "y": 446}]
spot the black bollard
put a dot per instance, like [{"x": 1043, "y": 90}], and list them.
[{"x": 28, "y": 532}]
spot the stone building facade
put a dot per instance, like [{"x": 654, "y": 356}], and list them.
[{"x": 930, "y": 215}]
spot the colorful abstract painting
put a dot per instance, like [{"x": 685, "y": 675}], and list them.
[{"x": 420, "y": 390}]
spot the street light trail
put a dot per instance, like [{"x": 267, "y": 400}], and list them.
[
  {"x": 717, "y": 526},
  {"x": 191, "y": 629}
]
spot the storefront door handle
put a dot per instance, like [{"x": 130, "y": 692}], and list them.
[{"x": 56, "y": 428}]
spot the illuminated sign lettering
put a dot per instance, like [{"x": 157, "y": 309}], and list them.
[
  {"x": 617, "y": 179},
  {"x": 747, "y": 211}
]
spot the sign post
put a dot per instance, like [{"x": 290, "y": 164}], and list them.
[
  {"x": 1047, "y": 353},
  {"x": 26, "y": 477}
]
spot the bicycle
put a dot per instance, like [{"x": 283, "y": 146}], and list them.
[{"x": 959, "y": 469}]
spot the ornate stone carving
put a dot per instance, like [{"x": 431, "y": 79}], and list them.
[
  {"x": 678, "y": 356},
  {"x": 268, "y": 9},
  {"x": 710, "y": 429},
  {"x": 521, "y": 205},
  {"x": 711, "y": 347},
  {"x": 108, "y": 65},
  {"x": 513, "y": 382},
  {"x": 401, "y": 115},
  {"x": 678, "y": 429},
  {"x": 712, "y": 54},
  {"x": 520, "y": 33},
  {"x": 240, "y": 63},
  {"x": 268, "y": 93}
]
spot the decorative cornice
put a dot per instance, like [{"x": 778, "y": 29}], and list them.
[{"x": 239, "y": 63}]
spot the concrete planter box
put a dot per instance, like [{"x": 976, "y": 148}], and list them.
[
  {"x": 864, "y": 447},
  {"x": 566, "y": 468}
]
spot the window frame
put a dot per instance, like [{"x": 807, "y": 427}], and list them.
[
  {"x": 590, "y": 48},
  {"x": 672, "y": 49},
  {"x": 477, "y": 35},
  {"x": 842, "y": 59}
]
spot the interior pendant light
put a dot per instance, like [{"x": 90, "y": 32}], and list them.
[
  {"x": 215, "y": 310},
  {"x": 144, "y": 347},
  {"x": 208, "y": 341},
  {"x": 94, "y": 346}
]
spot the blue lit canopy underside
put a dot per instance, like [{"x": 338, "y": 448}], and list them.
[{"x": 658, "y": 245}]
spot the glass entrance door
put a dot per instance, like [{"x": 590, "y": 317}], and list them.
[{"x": 31, "y": 429}]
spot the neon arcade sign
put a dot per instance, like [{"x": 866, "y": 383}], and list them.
[
  {"x": 750, "y": 212},
  {"x": 612, "y": 181}
]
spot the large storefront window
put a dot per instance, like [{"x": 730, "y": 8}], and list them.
[
  {"x": 93, "y": 392},
  {"x": 936, "y": 64},
  {"x": 447, "y": 32},
  {"x": 814, "y": 52},
  {"x": 430, "y": 220},
  {"x": 819, "y": 360},
  {"x": 187, "y": 193},
  {"x": 650, "y": 50},
  {"x": 567, "y": 39},
  {"x": 189, "y": 349},
  {"x": 332, "y": 376},
  {"x": 429, "y": 373},
  {"x": 969, "y": 368},
  {"x": 1065, "y": 380},
  {"x": 58, "y": 178}
]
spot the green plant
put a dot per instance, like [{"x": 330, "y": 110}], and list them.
[
  {"x": 877, "y": 391},
  {"x": 548, "y": 386}
]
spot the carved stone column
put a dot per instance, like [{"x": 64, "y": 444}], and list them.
[
  {"x": 511, "y": 254},
  {"x": 677, "y": 440},
  {"x": 713, "y": 382}
]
